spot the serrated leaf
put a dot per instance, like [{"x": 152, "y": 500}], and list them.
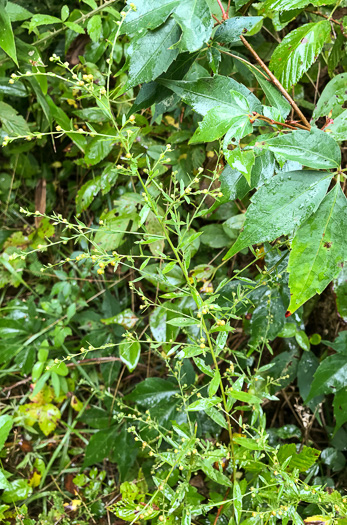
[
  {"x": 241, "y": 160},
  {"x": 6, "y": 35},
  {"x": 302, "y": 460},
  {"x": 314, "y": 148},
  {"x": 271, "y": 6},
  {"x": 194, "y": 18},
  {"x": 94, "y": 28},
  {"x": 12, "y": 123},
  {"x": 222, "y": 119},
  {"x": 280, "y": 206},
  {"x": 206, "y": 93},
  {"x": 149, "y": 14},
  {"x": 230, "y": 31},
  {"x": 332, "y": 98},
  {"x": 151, "y": 54},
  {"x": 297, "y": 52},
  {"x": 86, "y": 194},
  {"x": 318, "y": 249},
  {"x": 338, "y": 127},
  {"x": 129, "y": 352}
]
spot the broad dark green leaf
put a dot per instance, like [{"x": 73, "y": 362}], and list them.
[
  {"x": 230, "y": 31},
  {"x": 340, "y": 289},
  {"x": 12, "y": 123},
  {"x": 315, "y": 148},
  {"x": 338, "y": 127},
  {"x": 124, "y": 452},
  {"x": 149, "y": 14},
  {"x": 331, "y": 376},
  {"x": 340, "y": 407},
  {"x": 6, "y": 34},
  {"x": 151, "y": 54},
  {"x": 297, "y": 52},
  {"x": 195, "y": 20},
  {"x": 86, "y": 194},
  {"x": 280, "y": 206},
  {"x": 152, "y": 391},
  {"x": 100, "y": 446},
  {"x": 206, "y": 93},
  {"x": 318, "y": 249}
]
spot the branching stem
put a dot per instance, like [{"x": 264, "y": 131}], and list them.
[{"x": 276, "y": 82}]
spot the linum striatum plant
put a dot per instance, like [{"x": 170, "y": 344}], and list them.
[{"x": 209, "y": 427}]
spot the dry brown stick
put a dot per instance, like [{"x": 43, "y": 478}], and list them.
[{"x": 276, "y": 82}]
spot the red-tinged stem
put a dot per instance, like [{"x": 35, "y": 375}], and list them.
[
  {"x": 224, "y": 14},
  {"x": 276, "y": 82}
]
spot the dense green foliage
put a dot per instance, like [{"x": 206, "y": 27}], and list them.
[{"x": 173, "y": 340}]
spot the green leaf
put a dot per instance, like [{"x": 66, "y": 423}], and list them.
[
  {"x": 152, "y": 391},
  {"x": 338, "y": 127},
  {"x": 49, "y": 415},
  {"x": 97, "y": 149},
  {"x": 183, "y": 321},
  {"x": 230, "y": 31},
  {"x": 241, "y": 160},
  {"x": 273, "y": 96},
  {"x": 332, "y": 98},
  {"x": 237, "y": 497},
  {"x": 214, "y": 383},
  {"x": 17, "y": 13},
  {"x": 194, "y": 18},
  {"x": 249, "y": 444},
  {"x": 5, "y": 428},
  {"x": 86, "y": 194},
  {"x": 244, "y": 397},
  {"x": 318, "y": 249},
  {"x": 217, "y": 417},
  {"x": 331, "y": 376},
  {"x": 149, "y": 14},
  {"x": 314, "y": 148},
  {"x": 302, "y": 460},
  {"x": 271, "y": 6},
  {"x": 6, "y": 34},
  {"x": 100, "y": 446},
  {"x": 206, "y": 93},
  {"x": 75, "y": 27},
  {"x": 297, "y": 52},
  {"x": 130, "y": 352},
  {"x": 151, "y": 54},
  {"x": 43, "y": 20},
  {"x": 19, "y": 489},
  {"x": 280, "y": 206},
  {"x": 12, "y": 123},
  {"x": 124, "y": 452},
  {"x": 340, "y": 289},
  {"x": 306, "y": 369},
  {"x": 94, "y": 28},
  {"x": 302, "y": 340},
  {"x": 340, "y": 408},
  {"x": 203, "y": 403}
]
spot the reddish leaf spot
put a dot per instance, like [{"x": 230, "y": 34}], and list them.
[
  {"x": 304, "y": 41},
  {"x": 288, "y": 313}
]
